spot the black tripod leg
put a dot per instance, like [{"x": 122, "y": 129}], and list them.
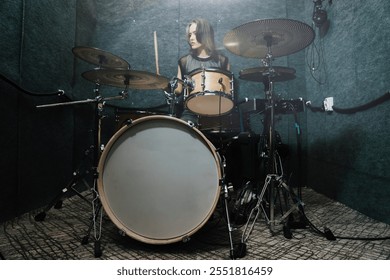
[
  {"x": 56, "y": 202},
  {"x": 79, "y": 194}
]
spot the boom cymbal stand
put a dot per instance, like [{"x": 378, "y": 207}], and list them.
[
  {"x": 96, "y": 149},
  {"x": 97, "y": 214}
]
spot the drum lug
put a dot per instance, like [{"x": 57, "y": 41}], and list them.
[
  {"x": 232, "y": 87},
  {"x": 191, "y": 124},
  {"x": 128, "y": 122},
  {"x": 186, "y": 239},
  {"x": 203, "y": 83}
]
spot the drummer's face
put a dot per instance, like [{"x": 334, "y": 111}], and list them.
[{"x": 192, "y": 37}]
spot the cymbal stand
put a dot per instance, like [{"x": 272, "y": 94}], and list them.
[
  {"x": 97, "y": 214},
  {"x": 274, "y": 182},
  {"x": 96, "y": 148}
]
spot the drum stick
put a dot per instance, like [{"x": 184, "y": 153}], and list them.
[{"x": 156, "y": 52}]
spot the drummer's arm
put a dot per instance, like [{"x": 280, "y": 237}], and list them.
[{"x": 179, "y": 88}]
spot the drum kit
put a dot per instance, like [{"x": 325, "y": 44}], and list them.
[{"x": 159, "y": 178}]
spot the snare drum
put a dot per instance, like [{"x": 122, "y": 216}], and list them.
[
  {"x": 159, "y": 179},
  {"x": 211, "y": 92}
]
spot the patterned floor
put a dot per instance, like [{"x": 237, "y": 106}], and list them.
[{"x": 60, "y": 236}]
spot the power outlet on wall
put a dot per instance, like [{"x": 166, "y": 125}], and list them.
[{"x": 328, "y": 104}]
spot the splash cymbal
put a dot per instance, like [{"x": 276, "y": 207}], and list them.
[
  {"x": 100, "y": 58},
  {"x": 280, "y": 36},
  {"x": 131, "y": 78},
  {"x": 264, "y": 74}
]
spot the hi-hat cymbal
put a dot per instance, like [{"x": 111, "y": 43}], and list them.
[
  {"x": 122, "y": 78},
  {"x": 279, "y": 36},
  {"x": 265, "y": 74},
  {"x": 101, "y": 58}
]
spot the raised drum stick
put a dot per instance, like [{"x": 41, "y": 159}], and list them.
[{"x": 156, "y": 52}]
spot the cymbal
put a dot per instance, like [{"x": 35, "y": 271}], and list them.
[
  {"x": 101, "y": 58},
  {"x": 280, "y": 36},
  {"x": 261, "y": 74},
  {"x": 132, "y": 79}
]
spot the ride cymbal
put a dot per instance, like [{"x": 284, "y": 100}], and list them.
[
  {"x": 279, "y": 36},
  {"x": 130, "y": 78},
  {"x": 100, "y": 58},
  {"x": 265, "y": 74}
]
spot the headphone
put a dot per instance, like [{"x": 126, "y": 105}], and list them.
[{"x": 320, "y": 16}]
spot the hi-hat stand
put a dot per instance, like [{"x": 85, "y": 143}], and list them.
[
  {"x": 275, "y": 189},
  {"x": 95, "y": 149}
]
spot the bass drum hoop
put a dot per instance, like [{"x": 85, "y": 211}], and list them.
[{"x": 214, "y": 187}]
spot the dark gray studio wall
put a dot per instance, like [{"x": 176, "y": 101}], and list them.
[
  {"x": 348, "y": 154},
  {"x": 126, "y": 29},
  {"x": 36, "y": 144}
]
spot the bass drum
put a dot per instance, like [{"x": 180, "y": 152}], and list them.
[{"x": 159, "y": 179}]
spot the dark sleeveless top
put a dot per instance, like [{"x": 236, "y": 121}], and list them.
[{"x": 189, "y": 63}]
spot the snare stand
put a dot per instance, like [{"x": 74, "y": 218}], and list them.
[{"x": 171, "y": 97}]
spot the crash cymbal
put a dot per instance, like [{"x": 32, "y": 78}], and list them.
[
  {"x": 121, "y": 78},
  {"x": 280, "y": 36},
  {"x": 265, "y": 74},
  {"x": 101, "y": 58}
]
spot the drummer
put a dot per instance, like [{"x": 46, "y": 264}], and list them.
[{"x": 202, "y": 54}]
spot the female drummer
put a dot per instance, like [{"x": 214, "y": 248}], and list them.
[{"x": 202, "y": 54}]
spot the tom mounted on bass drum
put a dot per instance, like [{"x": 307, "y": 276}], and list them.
[{"x": 210, "y": 92}]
